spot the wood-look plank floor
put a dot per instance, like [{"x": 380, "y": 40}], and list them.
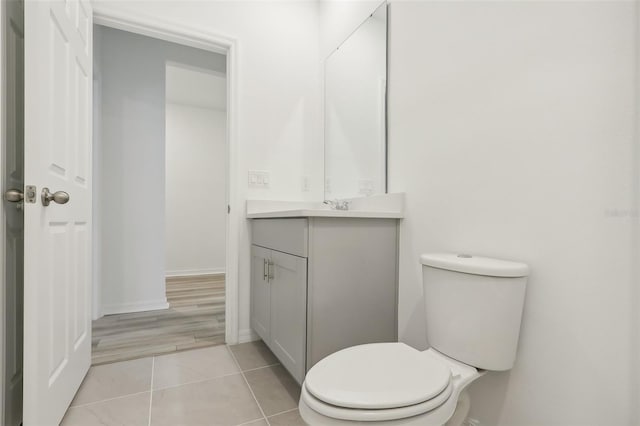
[{"x": 195, "y": 319}]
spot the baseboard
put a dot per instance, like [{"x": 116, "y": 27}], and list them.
[
  {"x": 126, "y": 308},
  {"x": 190, "y": 272},
  {"x": 247, "y": 335}
]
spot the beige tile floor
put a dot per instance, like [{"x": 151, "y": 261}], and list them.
[{"x": 222, "y": 385}]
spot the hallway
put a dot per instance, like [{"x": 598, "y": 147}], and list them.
[{"x": 195, "y": 319}]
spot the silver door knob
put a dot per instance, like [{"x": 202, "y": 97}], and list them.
[
  {"x": 58, "y": 197},
  {"x": 14, "y": 195}
]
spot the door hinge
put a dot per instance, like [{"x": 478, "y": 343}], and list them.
[
  {"x": 228, "y": 209},
  {"x": 30, "y": 194}
]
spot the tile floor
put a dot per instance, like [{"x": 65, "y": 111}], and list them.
[{"x": 222, "y": 385}]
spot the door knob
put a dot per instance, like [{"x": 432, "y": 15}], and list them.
[
  {"x": 14, "y": 195},
  {"x": 58, "y": 197}
]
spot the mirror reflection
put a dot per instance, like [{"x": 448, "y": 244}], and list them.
[{"x": 355, "y": 112}]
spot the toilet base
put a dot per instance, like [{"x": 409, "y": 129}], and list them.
[{"x": 462, "y": 410}]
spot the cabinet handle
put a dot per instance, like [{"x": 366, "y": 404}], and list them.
[
  {"x": 265, "y": 273},
  {"x": 270, "y": 269}
]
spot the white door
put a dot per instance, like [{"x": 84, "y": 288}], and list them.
[{"x": 57, "y": 237}]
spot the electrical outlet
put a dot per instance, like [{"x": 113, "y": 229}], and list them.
[
  {"x": 327, "y": 185},
  {"x": 365, "y": 187},
  {"x": 259, "y": 179},
  {"x": 305, "y": 184}
]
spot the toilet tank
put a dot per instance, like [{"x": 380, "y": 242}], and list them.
[{"x": 474, "y": 307}]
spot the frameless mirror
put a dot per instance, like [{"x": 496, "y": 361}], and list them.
[{"x": 355, "y": 112}]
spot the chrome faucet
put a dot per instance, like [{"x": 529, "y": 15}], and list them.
[{"x": 337, "y": 204}]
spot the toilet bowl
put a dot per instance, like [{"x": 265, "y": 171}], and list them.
[
  {"x": 385, "y": 384},
  {"x": 473, "y": 311}
]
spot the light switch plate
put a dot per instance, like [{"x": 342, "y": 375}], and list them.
[{"x": 259, "y": 179}]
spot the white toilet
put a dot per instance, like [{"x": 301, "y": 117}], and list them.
[{"x": 473, "y": 311}]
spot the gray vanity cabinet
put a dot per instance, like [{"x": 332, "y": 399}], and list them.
[
  {"x": 278, "y": 309},
  {"x": 288, "y": 311},
  {"x": 321, "y": 284},
  {"x": 260, "y": 292}
]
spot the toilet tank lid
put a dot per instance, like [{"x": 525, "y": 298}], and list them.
[{"x": 476, "y": 265}]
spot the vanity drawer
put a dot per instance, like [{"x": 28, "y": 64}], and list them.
[{"x": 285, "y": 235}]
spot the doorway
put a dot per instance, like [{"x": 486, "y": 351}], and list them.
[{"x": 160, "y": 196}]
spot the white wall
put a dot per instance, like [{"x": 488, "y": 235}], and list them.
[
  {"x": 195, "y": 190},
  {"x": 278, "y": 97},
  {"x": 131, "y": 173},
  {"x": 512, "y": 134}
]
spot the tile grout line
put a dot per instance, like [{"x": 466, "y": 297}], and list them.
[
  {"x": 249, "y": 422},
  {"x": 264, "y": 416},
  {"x": 200, "y": 381},
  {"x": 259, "y": 368},
  {"x": 153, "y": 367},
  {"x": 283, "y": 412},
  {"x": 107, "y": 400}
]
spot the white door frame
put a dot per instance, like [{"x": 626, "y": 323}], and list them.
[{"x": 104, "y": 14}]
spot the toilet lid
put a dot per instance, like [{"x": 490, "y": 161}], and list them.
[{"x": 377, "y": 376}]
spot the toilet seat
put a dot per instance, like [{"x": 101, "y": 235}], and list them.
[
  {"x": 377, "y": 382},
  {"x": 354, "y": 414}
]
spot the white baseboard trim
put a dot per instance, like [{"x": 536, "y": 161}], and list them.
[
  {"x": 189, "y": 272},
  {"x": 247, "y": 335},
  {"x": 126, "y": 308}
]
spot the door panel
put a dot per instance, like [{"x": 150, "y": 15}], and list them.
[
  {"x": 289, "y": 311},
  {"x": 82, "y": 89},
  {"x": 80, "y": 291},
  {"x": 260, "y": 293},
  {"x": 57, "y": 328}
]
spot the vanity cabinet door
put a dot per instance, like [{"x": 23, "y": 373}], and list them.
[
  {"x": 288, "y": 277},
  {"x": 260, "y": 292}
]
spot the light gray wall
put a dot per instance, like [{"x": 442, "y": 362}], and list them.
[
  {"x": 196, "y": 207},
  {"x": 512, "y": 132},
  {"x": 131, "y": 171}
]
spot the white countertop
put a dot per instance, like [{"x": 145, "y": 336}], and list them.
[
  {"x": 386, "y": 206},
  {"x": 324, "y": 213}
]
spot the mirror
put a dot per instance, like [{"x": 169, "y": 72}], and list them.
[{"x": 355, "y": 112}]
